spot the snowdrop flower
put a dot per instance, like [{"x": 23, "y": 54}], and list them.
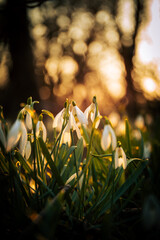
[
  {"x": 58, "y": 120},
  {"x": 120, "y": 157},
  {"x": 92, "y": 111},
  {"x": 17, "y": 132},
  {"x": 108, "y": 138},
  {"x": 27, "y": 110},
  {"x": 74, "y": 176},
  {"x": 79, "y": 114},
  {"x": 28, "y": 119},
  {"x": 66, "y": 136},
  {"x": 40, "y": 128}
]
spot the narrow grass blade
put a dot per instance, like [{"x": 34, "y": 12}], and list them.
[
  {"x": 124, "y": 187},
  {"x": 51, "y": 162},
  {"x": 28, "y": 169},
  {"x": 127, "y": 135}
]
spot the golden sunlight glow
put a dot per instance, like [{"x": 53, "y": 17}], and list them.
[
  {"x": 148, "y": 85},
  {"x": 80, "y": 47},
  {"x": 63, "y": 21},
  {"x": 76, "y": 33},
  {"x": 125, "y": 20},
  {"x": 116, "y": 90},
  {"x": 4, "y": 71},
  {"x": 103, "y": 17},
  {"x": 52, "y": 66},
  {"x": 79, "y": 93},
  {"x": 114, "y": 118},
  {"x": 147, "y": 58},
  {"x": 39, "y": 30},
  {"x": 68, "y": 66},
  {"x": 55, "y": 49},
  {"x": 95, "y": 47},
  {"x": 139, "y": 121},
  {"x": 120, "y": 129}
]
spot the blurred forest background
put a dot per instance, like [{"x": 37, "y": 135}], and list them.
[{"x": 55, "y": 49}]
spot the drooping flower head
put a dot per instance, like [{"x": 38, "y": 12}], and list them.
[
  {"x": 41, "y": 129},
  {"x": 120, "y": 157},
  {"x": 17, "y": 132},
  {"x": 92, "y": 112},
  {"x": 77, "y": 113},
  {"x": 58, "y": 120},
  {"x": 108, "y": 137},
  {"x": 61, "y": 116}
]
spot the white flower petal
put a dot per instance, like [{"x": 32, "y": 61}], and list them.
[
  {"x": 113, "y": 138},
  {"x": 28, "y": 121},
  {"x": 13, "y": 135},
  {"x": 44, "y": 132},
  {"x": 120, "y": 158},
  {"x": 124, "y": 159},
  {"x": 106, "y": 138},
  {"x": 73, "y": 125},
  {"x": 23, "y": 139},
  {"x": 66, "y": 136},
  {"x": 40, "y": 127},
  {"x": 80, "y": 115},
  {"x": 28, "y": 150},
  {"x": 58, "y": 120},
  {"x": 87, "y": 111},
  {"x": 116, "y": 158}
]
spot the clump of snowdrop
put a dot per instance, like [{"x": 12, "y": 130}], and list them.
[
  {"x": 120, "y": 157},
  {"x": 71, "y": 120}
]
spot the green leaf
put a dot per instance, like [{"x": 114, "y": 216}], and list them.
[
  {"x": 101, "y": 155},
  {"x": 134, "y": 159},
  {"x": 28, "y": 169},
  {"x": 85, "y": 134},
  {"x": 127, "y": 135},
  {"x": 68, "y": 170},
  {"x": 51, "y": 162},
  {"x": 3, "y": 164},
  {"x": 48, "y": 218},
  {"x": 124, "y": 187}
]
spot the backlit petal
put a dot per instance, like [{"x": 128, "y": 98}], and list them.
[
  {"x": 23, "y": 139},
  {"x": 80, "y": 115},
  {"x": 58, "y": 120},
  {"x": 28, "y": 150},
  {"x": 113, "y": 138},
  {"x": 106, "y": 138},
  {"x": 13, "y": 135},
  {"x": 28, "y": 121}
]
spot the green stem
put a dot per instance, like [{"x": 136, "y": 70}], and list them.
[{"x": 113, "y": 185}]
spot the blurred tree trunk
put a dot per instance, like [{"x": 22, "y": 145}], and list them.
[
  {"x": 22, "y": 82},
  {"x": 127, "y": 53}
]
